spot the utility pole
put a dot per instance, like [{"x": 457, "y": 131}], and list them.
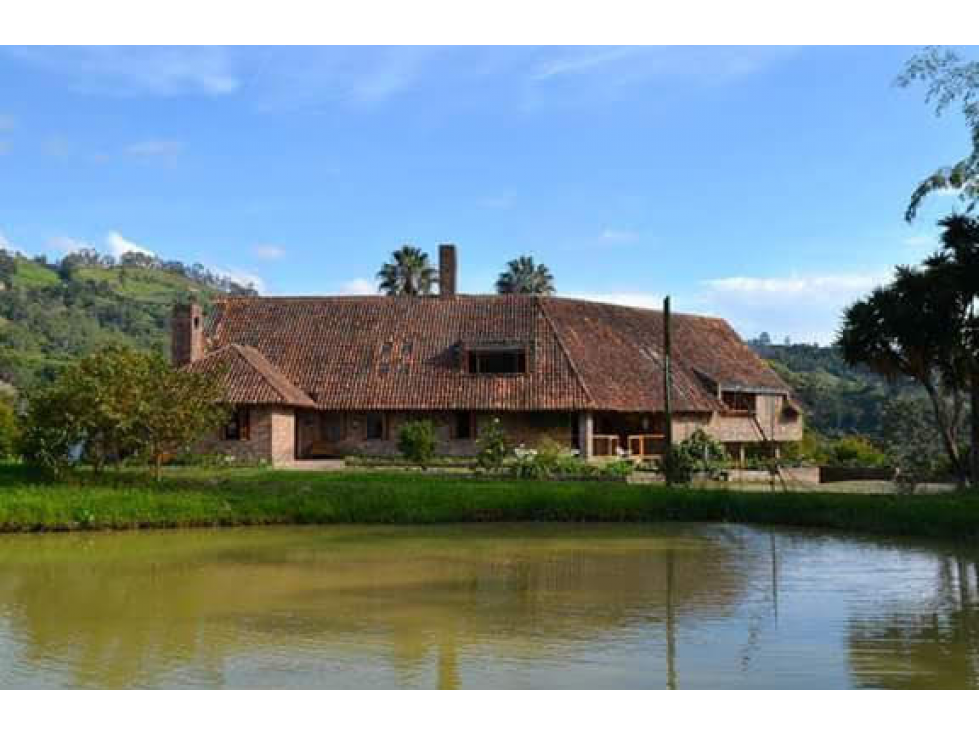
[{"x": 667, "y": 384}]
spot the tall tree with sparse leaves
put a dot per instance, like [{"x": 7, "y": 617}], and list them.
[
  {"x": 524, "y": 276},
  {"x": 408, "y": 273},
  {"x": 950, "y": 81}
]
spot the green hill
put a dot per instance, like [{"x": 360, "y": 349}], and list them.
[
  {"x": 839, "y": 399},
  {"x": 51, "y": 313}
]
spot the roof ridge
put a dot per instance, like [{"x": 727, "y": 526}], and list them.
[
  {"x": 557, "y": 337},
  {"x": 262, "y": 364}
]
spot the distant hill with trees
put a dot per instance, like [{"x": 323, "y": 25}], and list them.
[
  {"x": 839, "y": 399},
  {"x": 53, "y": 312}
]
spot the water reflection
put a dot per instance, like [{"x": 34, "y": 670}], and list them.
[
  {"x": 924, "y": 641},
  {"x": 520, "y": 606}
]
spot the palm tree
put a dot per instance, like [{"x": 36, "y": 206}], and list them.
[
  {"x": 523, "y": 276},
  {"x": 407, "y": 274}
]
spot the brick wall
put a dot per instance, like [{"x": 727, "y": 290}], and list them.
[
  {"x": 776, "y": 424},
  {"x": 526, "y": 428},
  {"x": 271, "y": 437}
]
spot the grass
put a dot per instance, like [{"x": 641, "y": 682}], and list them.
[{"x": 226, "y": 497}]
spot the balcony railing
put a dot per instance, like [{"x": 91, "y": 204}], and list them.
[{"x": 639, "y": 446}]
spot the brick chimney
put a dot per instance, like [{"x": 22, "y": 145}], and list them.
[
  {"x": 447, "y": 271},
  {"x": 186, "y": 334}
]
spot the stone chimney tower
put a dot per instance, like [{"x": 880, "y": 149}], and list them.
[
  {"x": 447, "y": 271},
  {"x": 186, "y": 334}
]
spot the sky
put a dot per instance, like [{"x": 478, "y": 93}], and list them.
[{"x": 765, "y": 185}]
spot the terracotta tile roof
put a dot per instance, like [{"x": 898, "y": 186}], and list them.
[
  {"x": 403, "y": 353},
  {"x": 249, "y": 378}
]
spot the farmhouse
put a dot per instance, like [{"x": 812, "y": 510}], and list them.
[{"x": 317, "y": 377}]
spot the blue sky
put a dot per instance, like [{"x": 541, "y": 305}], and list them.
[{"x": 762, "y": 184}]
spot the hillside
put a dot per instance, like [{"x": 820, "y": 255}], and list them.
[
  {"x": 53, "y": 312},
  {"x": 839, "y": 399}
]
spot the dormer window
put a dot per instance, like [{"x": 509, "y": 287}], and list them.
[{"x": 497, "y": 360}]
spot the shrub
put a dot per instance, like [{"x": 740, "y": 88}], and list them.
[
  {"x": 698, "y": 453},
  {"x": 9, "y": 427},
  {"x": 416, "y": 442},
  {"x": 493, "y": 446}
]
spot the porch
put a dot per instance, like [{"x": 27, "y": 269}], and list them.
[{"x": 642, "y": 435}]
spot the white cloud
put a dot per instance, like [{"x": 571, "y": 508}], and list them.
[
  {"x": 119, "y": 245},
  {"x": 358, "y": 287},
  {"x": 620, "y": 65},
  {"x": 6, "y": 244},
  {"x": 807, "y": 307},
  {"x": 921, "y": 242},
  {"x": 622, "y": 298},
  {"x": 7, "y": 122},
  {"x": 618, "y": 235},
  {"x": 242, "y": 278},
  {"x": 269, "y": 252},
  {"x": 130, "y": 70},
  {"x": 155, "y": 149}
]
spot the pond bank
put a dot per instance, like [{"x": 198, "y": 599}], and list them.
[{"x": 210, "y": 498}]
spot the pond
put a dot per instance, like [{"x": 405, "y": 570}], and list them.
[{"x": 488, "y": 606}]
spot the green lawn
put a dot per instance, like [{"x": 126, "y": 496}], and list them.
[{"x": 207, "y": 497}]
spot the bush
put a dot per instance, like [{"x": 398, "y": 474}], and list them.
[
  {"x": 493, "y": 447},
  {"x": 9, "y": 427},
  {"x": 416, "y": 442},
  {"x": 699, "y": 453}
]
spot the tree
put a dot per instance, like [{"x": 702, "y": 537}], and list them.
[
  {"x": 8, "y": 268},
  {"x": 176, "y": 408},
  {"x": 950, "y": 80},
  {"x": 523, "y": 276},
  {"x": 407, "y": 274},
  {"x": 117, "y": 403},
  {"x": 956, "y": 271},
  {"x": 924, "y": 326},
  {"x": 416, "y": 442},
  {"x": 9, "y": 426}
]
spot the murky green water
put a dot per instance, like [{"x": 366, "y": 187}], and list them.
[{"x": 685, "y": 606}]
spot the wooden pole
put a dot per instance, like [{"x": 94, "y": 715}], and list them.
[{"x": 667, "y": 382}]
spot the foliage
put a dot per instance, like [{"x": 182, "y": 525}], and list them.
[
  {"x": 9, "y": 427},
  {"x": 117, "y": 403},
  {"x": 176, "y": 409},
  {"x": 416, "y": 442},
  {"x": 839, "y": 398},
  {"x": 550, "y": 459},
  {"x": 922, "y": 326},
  {"x": 407, "y": 274},
  {"x": 52, "y": 314},
  {"x": 524, "y": 276},
  {"x": 911, "y": 441},
  {"x": 699, "y": 453},
  {"x": 950, "y": 80},
  {"x": 493, "y": 445}
]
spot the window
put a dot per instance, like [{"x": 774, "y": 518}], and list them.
[
  {"x": 739, "y": 402},
  {"x": 374, "y": 427},
  {"x": 463, "y": 424},
  {"x": 238, "y": 427},
  {"x": 498, "y": 362}
]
